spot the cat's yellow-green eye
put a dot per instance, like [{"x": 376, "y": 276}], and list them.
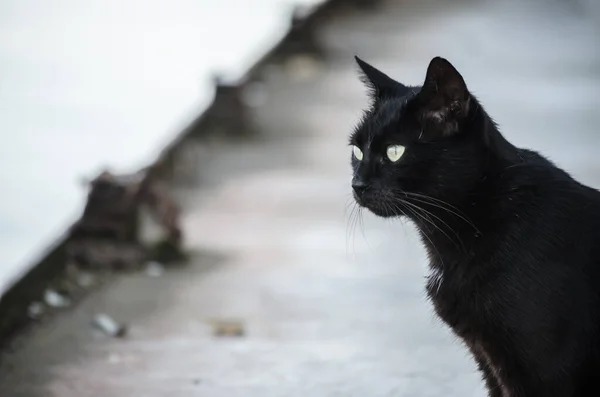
[
  {"x": 357, "y": 153},
  {"x": 394, "y": 152}
]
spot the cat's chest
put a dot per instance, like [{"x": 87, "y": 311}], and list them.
[{"x": 457, "y": 299}]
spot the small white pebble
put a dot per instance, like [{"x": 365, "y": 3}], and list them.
[{"x": 55, "y": 299}]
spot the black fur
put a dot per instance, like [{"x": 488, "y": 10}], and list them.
[{"x": 513, "y": 240}]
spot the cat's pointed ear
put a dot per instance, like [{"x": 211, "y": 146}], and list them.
[
  {"x": 443, "y": 101},
  {"x": 380, "y": 84}
]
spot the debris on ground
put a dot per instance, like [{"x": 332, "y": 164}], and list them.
[
  {"x": 112, "y": 233},
  {"x": 36, "y": 310},
  {"x": 98, "y": 254},
  {"x": 109, "y": 326},
  {"x": 85, "y": 280},
  {"x": 110, "y": 208},
  {"x": 55, "y": 299},
  {"x": 157, "y": 197},
  {"x": 79, "y": 278},
  {"x": 302, "y": 68},
  {"x": 159, "y": 230},
  {"x": 154, "y": 269},
  {"x": 223, "y": 328}
]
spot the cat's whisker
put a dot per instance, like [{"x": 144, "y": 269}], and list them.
[
  {"x": 350, "y": 203},
  {"x": 439, "y": 201},
  {"x": 361, "y": 224},
  {"x": 357, "y": 225},
  {"x": 438, "y": 227},
  {"x": 424, "y": 196},
  {"x": 349, "y": 224},
  {"x": 355, "y": 221},
  {"x": 418, "y": 216},
  {"x": 432, "y": 223},
  {"x": 439, "y": 204}
]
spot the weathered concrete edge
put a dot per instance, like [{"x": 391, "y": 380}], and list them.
[{"x": 30, "y": 287}]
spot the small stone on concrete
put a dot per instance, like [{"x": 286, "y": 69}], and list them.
[
  {"x": 154, "y": 269},
  {"x": 35, "y": 310},
  {"x": 55, "y": 299},
  {"x": 109, "y": 326}
]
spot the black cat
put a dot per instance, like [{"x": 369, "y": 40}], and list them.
[{"x": 513, "y": 240}]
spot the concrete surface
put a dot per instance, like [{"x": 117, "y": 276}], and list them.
[{"x": 332, "y": 305}]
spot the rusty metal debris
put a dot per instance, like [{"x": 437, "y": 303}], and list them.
[
  {"x": 109, "y": 210},
  {"x": 223, "y": 328},
  {"x": 109, "y": 233},
  {"x": 109, "y": 326},
  {"x": 162, "y": 206}
]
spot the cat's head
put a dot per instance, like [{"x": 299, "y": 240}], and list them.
[{"x": 414, "y": 141}]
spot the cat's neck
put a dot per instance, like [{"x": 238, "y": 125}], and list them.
[{"x": 452, "y": 223}]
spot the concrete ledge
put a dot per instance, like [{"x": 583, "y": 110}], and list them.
[{"x": 15, "y": 302}]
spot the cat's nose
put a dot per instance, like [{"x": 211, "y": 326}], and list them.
[{"x": 359, "y": 187}]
